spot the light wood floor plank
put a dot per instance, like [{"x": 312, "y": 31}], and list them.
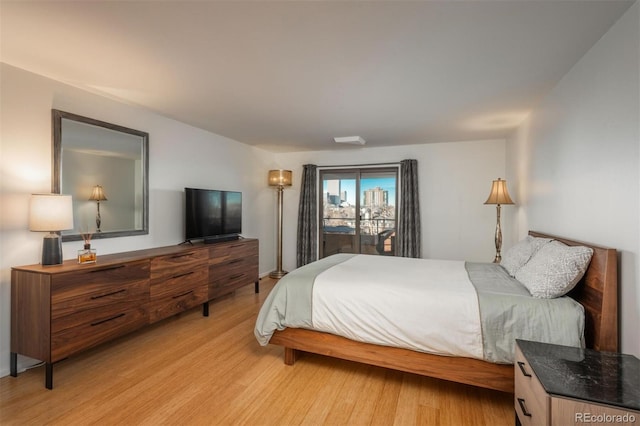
[{"x": 191, "y": 370}]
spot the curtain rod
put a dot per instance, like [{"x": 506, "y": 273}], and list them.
[{"x": 359, "y": 165}]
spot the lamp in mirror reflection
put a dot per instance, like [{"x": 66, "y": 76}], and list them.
[
  {"x": 97, "y": 195},
  {"x": 499, "y": 195},
  {"x": 280, "y": 179},
  {"x": 51, "y": 213}
]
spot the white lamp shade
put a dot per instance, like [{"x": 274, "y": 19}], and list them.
[{"x": 50, "y": 212}]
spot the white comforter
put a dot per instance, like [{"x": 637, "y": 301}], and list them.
[{"x": 426, "y": 289}]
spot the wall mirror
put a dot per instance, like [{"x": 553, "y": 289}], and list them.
[{"x": 105, "y": 168}]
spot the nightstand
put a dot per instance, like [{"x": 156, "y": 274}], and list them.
[{"x": 561, "y": 385}]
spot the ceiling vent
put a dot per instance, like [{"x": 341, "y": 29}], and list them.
[{"x": 354, "y": 140}]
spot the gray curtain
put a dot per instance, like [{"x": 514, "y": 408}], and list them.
[
  {"x": 408, "y": 239},
  {"x": 306, "y": 247}
]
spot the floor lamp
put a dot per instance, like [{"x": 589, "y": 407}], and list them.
[
  {"x": 498, "y": 196},
  {"x": 279, "y": 179}
]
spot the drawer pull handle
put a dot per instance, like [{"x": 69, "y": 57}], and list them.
[
  {"x": 178, "y": 256},
  {"x": 93, "y": 324},
  {"x": 183, "y": 275},
  {"x": 233, "y": 277},
  {"x": 108, "y": 269},
  {"x": 183, "y": 294},
  {"x": 108, "y": 294},
  {"x": 524, "y": 372},
  {"x": 235, "y": 261},
  {"x": 523, "y": 408}
]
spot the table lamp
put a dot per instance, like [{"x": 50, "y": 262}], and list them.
[
  {"x": 51, "y": 213},
  {"x": 97, "y": 195}
]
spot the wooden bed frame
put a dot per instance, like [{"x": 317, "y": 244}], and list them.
[{"x": 597, "y": 292}]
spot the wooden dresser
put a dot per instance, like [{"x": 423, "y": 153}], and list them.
[
  {"x": 58, "y": 311},
  {"x": 560, "y": 385}
]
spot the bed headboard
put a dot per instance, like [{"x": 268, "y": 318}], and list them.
[{"x": 598, "y": 293}]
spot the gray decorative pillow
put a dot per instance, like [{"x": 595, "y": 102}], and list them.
[
  {"x": 554, "y": 270},
  {"x": 518, "y": 255}
]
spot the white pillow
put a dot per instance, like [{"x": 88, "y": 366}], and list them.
[
  {"x": 516, "y": 257},
  {"x": 554, "y": 270}
]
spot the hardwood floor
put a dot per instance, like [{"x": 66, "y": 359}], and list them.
[{"x": 191, "y": 370}]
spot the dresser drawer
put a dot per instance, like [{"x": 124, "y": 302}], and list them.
[
  {"x": 231, "y": 267},
  {"x": 180, "y": 282},
  {"x": 112, "y": 285},
  {"x": 109, "y": 298},
  {"x": 530, "y": 399},
  {"x": 89, "y": 279},
  {"x": 174, "y": 264},
  {"x": 164, "y": 307},
  {"x": 82, "y": 330},
  {"x": 225, "y": 281},
  {"x": 226, "y": 252}
]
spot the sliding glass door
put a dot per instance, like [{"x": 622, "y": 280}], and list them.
[{"x": 358, "y": 211}]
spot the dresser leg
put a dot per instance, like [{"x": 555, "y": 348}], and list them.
[
  {"x": 48, "y": 375},
  {"x": 257, "y": 286},
  {"x": 205, "y": 309},
  {"x": 14, "y": 364}
]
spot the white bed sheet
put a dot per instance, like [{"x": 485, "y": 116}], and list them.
[{"x": 358, "y": 299}]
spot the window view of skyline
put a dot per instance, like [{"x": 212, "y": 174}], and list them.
[
  {"x": 363, "y": 223},
  {"x": 348, "y": 188}
]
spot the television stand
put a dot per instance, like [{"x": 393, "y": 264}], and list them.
[{"x": 61, "y": 310}]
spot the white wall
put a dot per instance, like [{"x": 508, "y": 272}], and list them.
[
  {"x": 454, "y": 178},
  {"x": 575, "y": 162},
  {"x": 180, "y": 156}
]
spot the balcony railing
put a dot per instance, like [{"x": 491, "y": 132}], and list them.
[
  {"x": 377, "y": 236},
  {"x": 346, "y": 225}
]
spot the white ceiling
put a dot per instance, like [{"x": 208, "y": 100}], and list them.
[{"x": 291, "y": 75}]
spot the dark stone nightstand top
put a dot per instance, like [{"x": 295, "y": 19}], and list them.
[{"x": 603, "y": 377}]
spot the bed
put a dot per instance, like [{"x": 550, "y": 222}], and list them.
[{"x": 596, "y": 293}]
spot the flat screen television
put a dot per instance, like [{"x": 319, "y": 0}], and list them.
[{"x": 212, "y": 215}]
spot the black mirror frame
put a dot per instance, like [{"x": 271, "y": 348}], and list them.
[{"x": 56, "y": 159}]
